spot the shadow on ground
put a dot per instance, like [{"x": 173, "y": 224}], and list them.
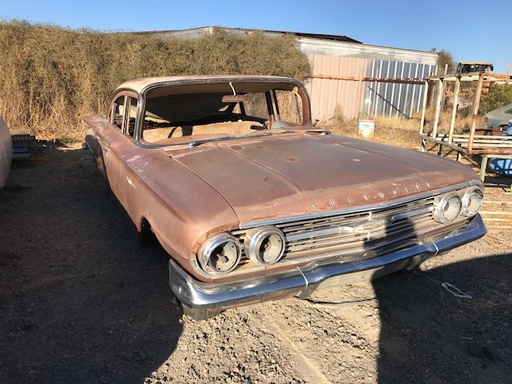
[
  {"x": 447, "y": 325},
  {"x": 80, "y": 301}
]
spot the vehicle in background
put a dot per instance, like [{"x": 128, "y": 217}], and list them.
[
  {"x": 502, "y": 166},
  {"x": 499, "y": 118},
  {"x": 474, "y": 67},
  {"x": 5, "y": 151}
]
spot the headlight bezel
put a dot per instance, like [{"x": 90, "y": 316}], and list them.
[
  {"x": 448, "y": 208},
  {"x": 209, "y": 254},
  {"x": 265, "y": 237},
  {"x": 468, "y": 201}
]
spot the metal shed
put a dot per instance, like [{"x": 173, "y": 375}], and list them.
[
  {"x": 364, "y": 80},
  {"x": 352, "y": 78}
]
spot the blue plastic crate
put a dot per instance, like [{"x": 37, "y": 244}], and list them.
[{"x": 501, "y": 167}]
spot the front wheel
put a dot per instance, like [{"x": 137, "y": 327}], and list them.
[{"x": 146, "y": 236}]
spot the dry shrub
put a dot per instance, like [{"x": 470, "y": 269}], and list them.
[
  {"x": 51, "y": 77},
  {"x": 463, "y": 120},
  {"x": 396, "y": 130},
  {"x": 390, "y": 130}
]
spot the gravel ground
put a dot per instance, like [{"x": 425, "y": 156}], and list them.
[{"x": 81, "y": 302}]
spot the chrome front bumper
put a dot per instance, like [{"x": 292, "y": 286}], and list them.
[{"x": 203, "y": 300}]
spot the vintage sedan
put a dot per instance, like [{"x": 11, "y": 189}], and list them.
[{"x": 254, "y": 203}]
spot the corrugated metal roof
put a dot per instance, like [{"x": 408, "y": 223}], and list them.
[
  {"x": 374, "y": 52},
  {"x": 319, "y": 44},
  {"x": 202, "y": 31}
]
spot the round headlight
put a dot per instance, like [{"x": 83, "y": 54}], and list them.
[
  {"x": 220, "y": 254},
  {"x": 448, "y": 208},
  {"x": 265, "y": 245},
  {"x": 472, "y": 201}
]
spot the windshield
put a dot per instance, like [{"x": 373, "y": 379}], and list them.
[{"x": 181, "y": 115}]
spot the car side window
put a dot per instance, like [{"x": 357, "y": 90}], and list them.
[
  {"x": 132, "y": 113},
  {"x": 117, "y": 114},
  {"x": 123, "y": 114}
]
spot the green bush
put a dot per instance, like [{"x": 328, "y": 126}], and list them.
[
  {"x": 51, "y": 77},
  {"x": 499, "y": 96}
]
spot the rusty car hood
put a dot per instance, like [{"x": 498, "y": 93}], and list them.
[{"x": 292, "y": 175}]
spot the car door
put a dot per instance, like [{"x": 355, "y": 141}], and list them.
[{"x": 118, "y": 147}]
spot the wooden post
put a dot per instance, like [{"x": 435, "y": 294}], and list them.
[
  {"x": 423, "y": 112},
  {"x": 439, "y": 100},
  {"x": 424, "y": 108},
  {"x": 476, "y": 106},
  {"x": 454, "y": 112}
]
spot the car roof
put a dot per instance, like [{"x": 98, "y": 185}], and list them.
[
  {"x": 140, "y": 85},
  {"x": 475, "y": 62},
  {"x": 501, "y": 109}
]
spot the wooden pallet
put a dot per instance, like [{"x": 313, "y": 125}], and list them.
[{"x": 497, "y": 207}]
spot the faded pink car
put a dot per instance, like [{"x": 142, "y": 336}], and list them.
[{"x": 254, "y": 203}]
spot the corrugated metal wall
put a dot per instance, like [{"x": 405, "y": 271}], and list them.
[
  {"x": 332, "y": 92},
  {"x": 394, "y": 99},
  {"x": 329, "y": 94}
]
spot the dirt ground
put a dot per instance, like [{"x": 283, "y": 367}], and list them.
[{"x": 82, "y": 302}]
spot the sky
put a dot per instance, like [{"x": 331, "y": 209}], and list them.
[{"x": 469, "y": 30}]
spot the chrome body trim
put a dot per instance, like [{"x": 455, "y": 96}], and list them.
[
  {"x": 356, "y": 209},
  {"x": 203, "y": 300}
]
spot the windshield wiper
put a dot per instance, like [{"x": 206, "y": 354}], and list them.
[
  {"x": 197, "y": 143},
  {"x": 319, "y": 131}
]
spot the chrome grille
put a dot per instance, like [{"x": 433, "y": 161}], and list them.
[{"x": 355, "y": 235}]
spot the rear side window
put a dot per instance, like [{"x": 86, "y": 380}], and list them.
[
  {"x": 117, "y": 113},
  {"x": 123, "y": 113},
  {"x": 132, "y": 113}
]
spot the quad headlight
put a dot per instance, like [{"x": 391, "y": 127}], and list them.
[
  {"x": 220, "y": 254},
  {"x": 449, "y": 207},
  {"x": 265, "y": 245},
  {"x": 472, "y": 201}
]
